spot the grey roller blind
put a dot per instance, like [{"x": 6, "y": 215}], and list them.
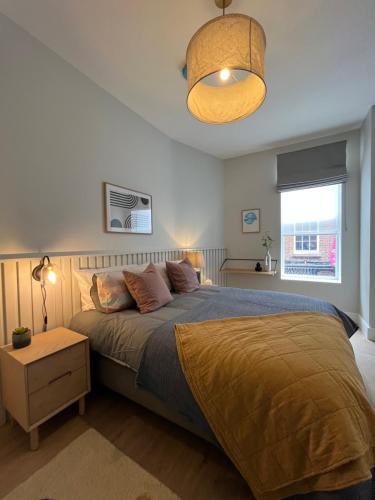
[{"x": 312, "y": 167}]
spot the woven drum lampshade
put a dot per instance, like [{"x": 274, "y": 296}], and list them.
[{"x": 225, "y": 69}]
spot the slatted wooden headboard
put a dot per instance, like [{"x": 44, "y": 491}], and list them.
[{"x": 20, "y": 297}]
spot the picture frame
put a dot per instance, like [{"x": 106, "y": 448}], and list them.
[
  {"x": 250, "y": 218},
  {"x": 127, "y": 211}
]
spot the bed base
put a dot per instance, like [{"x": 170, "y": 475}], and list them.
[{"x": 121, "y": 379}]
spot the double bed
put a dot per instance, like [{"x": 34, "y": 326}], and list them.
[{"x": 136, "y": 355}]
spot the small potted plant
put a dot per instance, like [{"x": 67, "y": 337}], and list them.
[
  {"x": 21, "y": 337},
  {"x": 267, "y": 242}
]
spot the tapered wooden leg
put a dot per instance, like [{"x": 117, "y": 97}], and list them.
[
  {"x": 81, "y": 406},
  {"x": 34, "y": 439}
]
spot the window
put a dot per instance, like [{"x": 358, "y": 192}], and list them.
[
  {"x": 306, "y": 243},
  {"x": 311, "y": 234},
  {"x": 306, "y": 239}
]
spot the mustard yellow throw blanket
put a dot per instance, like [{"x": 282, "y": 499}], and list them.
[{"x": 285, "y": 399}]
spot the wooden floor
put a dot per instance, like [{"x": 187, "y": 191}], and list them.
[{"x": 190, "y": 467}]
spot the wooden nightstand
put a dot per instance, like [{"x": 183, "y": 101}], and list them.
[{"x": 40, "y": 380}]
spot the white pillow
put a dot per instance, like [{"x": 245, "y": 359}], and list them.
[
  {"x": 84, "y": 279},
  {"x": 162, "y": 269}
]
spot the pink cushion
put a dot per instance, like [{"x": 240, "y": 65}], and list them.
[
  {"x": 183, "y": 276},
  {"x": 148, "y": 289}
]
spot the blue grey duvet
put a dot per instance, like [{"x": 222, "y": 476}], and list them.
[{"x": 160, "y": 371}]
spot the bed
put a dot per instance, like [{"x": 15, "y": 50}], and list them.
[{"x": 136, "y": 355}]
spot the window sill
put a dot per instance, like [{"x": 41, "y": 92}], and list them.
[{"x": 310, "y": 280}]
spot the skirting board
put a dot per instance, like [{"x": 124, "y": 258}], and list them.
[
  {"x": 367, "y": 331},
  {"x": 353, "y": 316}
]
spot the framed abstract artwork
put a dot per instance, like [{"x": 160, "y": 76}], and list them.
[
  {"x": 127, "y": 211},
  {"x": 250, "y": 220}
]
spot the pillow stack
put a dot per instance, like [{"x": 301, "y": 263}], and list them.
[{"x": 114, "y": 289}]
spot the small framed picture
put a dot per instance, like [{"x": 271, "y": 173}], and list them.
[
  {"x": 251, "y": 220},
  {"x": 127, "y": 211}
]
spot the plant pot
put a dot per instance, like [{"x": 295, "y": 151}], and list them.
[{"x": 20, "y": 340}]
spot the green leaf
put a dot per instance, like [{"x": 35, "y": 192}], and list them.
[{"x": 20, "y": 330}]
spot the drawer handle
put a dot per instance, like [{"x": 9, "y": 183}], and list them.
[{"x": 59, "y": 377}]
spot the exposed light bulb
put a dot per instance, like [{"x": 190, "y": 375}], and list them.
[
  {"x": 51, "y": 276},
  {"x": 224, "y": 74}
]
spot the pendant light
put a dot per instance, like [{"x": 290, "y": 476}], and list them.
[{"x": 225, "y": 68}]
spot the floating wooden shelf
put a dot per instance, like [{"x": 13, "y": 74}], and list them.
[
  {"x": 234, "y": 270},
  {"x": 247, "y": 270}
]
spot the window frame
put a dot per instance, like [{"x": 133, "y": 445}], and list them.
[{"x": 338, "y": 234}]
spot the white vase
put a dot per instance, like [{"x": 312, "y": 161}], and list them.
[{"x": 268, "y": 262}]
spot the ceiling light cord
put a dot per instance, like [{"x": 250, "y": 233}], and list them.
[{"x": 223, "y": 4}]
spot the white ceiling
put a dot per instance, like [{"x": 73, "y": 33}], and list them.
[{"x": 320, "y": 62}]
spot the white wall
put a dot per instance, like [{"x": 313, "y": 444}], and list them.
[
  {"x": 250, "y": 182},
  {"x": 61, "y": 136},
  {"x": 367, "y": 247}
]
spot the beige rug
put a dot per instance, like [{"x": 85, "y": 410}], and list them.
[{"x": 91, "y": 468}]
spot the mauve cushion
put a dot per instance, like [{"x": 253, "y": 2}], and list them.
[
  {"x": 148, "y": 289},
  {"x": 183, "y": 276}
]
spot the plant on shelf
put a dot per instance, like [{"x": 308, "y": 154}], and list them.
[
  {"x": 21, "y": 337},
  {"x": 267, "y": 242}
]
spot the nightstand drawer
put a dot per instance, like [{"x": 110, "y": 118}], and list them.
[
  {"x": 42, "y": 372},
  {"x": 57, "y": 393}
]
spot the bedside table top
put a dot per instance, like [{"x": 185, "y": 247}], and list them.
[{"x": 44, "y": 344}]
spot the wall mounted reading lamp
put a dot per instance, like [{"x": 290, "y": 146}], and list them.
[{"x": 46, "y": 273}]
